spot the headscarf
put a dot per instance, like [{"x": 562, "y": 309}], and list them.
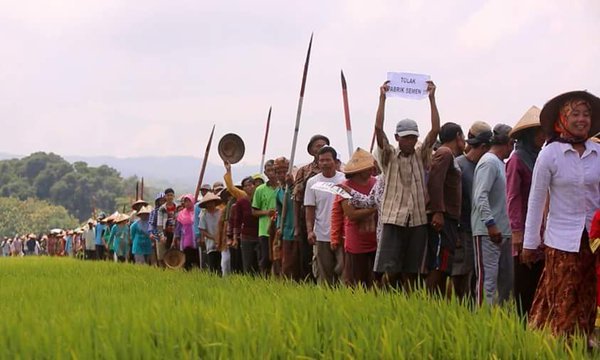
[
  {"x": 525, "y": 147},
  {"x": 186, "y": 216},
  {"x": 560, "y": 126}
]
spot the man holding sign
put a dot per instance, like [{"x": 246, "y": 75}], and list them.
[{"x": 401, "y": 251}]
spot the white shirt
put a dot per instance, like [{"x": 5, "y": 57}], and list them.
[
  {"x": 90, "y": 239},
  {"x": 574, "y": 186},
  {"x": 323, "y": 203}
]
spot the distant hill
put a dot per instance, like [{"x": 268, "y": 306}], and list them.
[{"x": 179, "y": 172}]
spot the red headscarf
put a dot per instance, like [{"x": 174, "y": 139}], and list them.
[{"x": 560, "y": 126}]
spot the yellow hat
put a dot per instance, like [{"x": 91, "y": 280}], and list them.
[{"x": 531, "y": 119}]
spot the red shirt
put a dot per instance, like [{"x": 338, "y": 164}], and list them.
[
  {"x": 360, "y": 237},
  {"x": 245, "y": 223}
]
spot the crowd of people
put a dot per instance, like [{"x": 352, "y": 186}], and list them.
[{"x": 493, "y": 214}]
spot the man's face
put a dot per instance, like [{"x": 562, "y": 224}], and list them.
[
  {"x": 281, "y": 173},
  {"x": 407, "y": 143},
  {"x": 461, "y": 143},
  {"x": 317, "y": 145},
  {"x": 169, "y": 197},
  {"x": 326, "y": 162},
  {"x": 270, "y": 172}
]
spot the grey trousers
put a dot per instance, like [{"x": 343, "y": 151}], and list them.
[
  {"x": 329, "y": 263},
  {"x": 493, "y": 270}
]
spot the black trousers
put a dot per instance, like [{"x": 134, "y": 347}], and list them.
[
  {"x": 192, "y": 258},
  {"x": 236, "y": 260},
  {"x": 214, "y": 261},
  {"x": 264, "y": 263},
  {"x": 250, "y": 254},
  {"x": 100, "y": 252},
  {"x": 526, "y": 282}
]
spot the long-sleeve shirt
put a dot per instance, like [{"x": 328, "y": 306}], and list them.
[
  {"x": 370, "y": 201},
  {"x": 233, "y": 190},
  {"x": 120, "y": 240},
  {"x": 140, "y": 239},
  {"x": 444, "y": 184},
  {"x": 573, "y": 182},
  {"x": 518, "y": 183},
  {"x": 489, "y": 196},
  {"x": 245, "y": 224}
]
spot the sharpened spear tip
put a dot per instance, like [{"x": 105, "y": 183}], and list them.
[{"x": 343, "y": 80}]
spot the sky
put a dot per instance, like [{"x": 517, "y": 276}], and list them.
[{"x": 150, "y": 78}]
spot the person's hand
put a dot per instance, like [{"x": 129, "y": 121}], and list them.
[
  {"x": 234, "y": 243},
  {"x": 272, "y": 212},
  {"x": 333, "y": 246},
  {"x": 528, "y": 256},
  {"x": 494, "y": 234},
  {"x": 384, "y": 89},
  {"x": 431, "y": 89},
  {"x": 312, "y": 238},
  {"x": 278, "y": 233},
  {"x": 163, "y": 239},
  {"x": 517, "y": 242},
  {"x": 437, "y": 222},
  {"x": 227, "y": 165},
  {"x": 152, "y": 237}
]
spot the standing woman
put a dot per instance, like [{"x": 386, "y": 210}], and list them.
[
  {"x": 530, "y": 138},
  {"x": 184, "y": 232},
  {"x": 119, "y": 238},
  {"x": 140, "y": 237},
  {"x": 569, "y": 169}
]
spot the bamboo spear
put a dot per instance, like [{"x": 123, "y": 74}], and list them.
[
  {"x": 264, "y": 149},
  {"x": 347, "y": 115},
  {"x": 201, "y": 177},
  {"x": 284, "y": 208},
  {"x": 142, "y": 190},
  {"x": 137, "y": 190}
]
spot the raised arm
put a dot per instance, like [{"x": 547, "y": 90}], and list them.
[
  {"x": 382, "y": 140},
  {"x": 435, "y": 117}
]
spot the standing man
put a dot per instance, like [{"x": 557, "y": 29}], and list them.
[
  {"x": 318, "y": 206},
  {"x": 444, "y": 187},
  {"x": 263, "y": 207},
  {"x": 489, "y": 221},
  {"x": 401, "y": 251},
  {"x": 89, "y": 238},
  {"x": 463, "y": 265},
  {"x": 290, "y": 246},
  {"x": 166, "y": 223},
  {"x": 304, "y": 173},
  {"x": 99, "y": 237}
]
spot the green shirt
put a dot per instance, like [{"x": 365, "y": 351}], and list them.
[
  {"x": 264, "y": 199},
  {"x": 288, "y": 224}
]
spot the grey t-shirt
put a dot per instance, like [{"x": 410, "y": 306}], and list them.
[
  {"x": 210, "y": 223},
  {"x": 467, "y": 168},
  {"x": 489, "y": 196}
]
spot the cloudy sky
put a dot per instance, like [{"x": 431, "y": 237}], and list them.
[{"x": 134, "y": 78}]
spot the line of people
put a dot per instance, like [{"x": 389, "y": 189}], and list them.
[{"x": 503, "y": 212}]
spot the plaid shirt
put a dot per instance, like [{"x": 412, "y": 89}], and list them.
[{"x": 405, "y": 194}]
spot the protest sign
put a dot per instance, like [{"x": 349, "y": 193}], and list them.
[
  {"x": 407, "y": 85},
  {"x": 331, "y": 188}
]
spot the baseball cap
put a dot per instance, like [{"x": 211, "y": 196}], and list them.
[
  {"x": 479, "y": 133},
  {"x": 501, "y": 134},
  {"x": 407, "y": 127}
]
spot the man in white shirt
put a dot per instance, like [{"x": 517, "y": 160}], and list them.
[
  {"x": 90, "y": 241},
  {"x": 318, "y": 205}
]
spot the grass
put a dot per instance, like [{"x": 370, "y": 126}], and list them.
[{"x": 63, "y": 308}]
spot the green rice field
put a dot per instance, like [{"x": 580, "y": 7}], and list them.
[{"x": 71, "y": 309}]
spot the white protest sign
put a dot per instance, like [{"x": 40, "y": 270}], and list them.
[
  {"x": 331, "y": 188},
  {"x": 407, "y": 85}
]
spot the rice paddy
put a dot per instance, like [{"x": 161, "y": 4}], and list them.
[{"x": 71, "y": 309}]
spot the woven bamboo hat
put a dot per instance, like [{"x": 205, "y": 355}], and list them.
[
  {"x": 361, "y": 160},
  {"x": 208, "y": 198},
  {"x": 121, "y": 217},
  {"x": 531, "y": 119},
  {"x": 549, "y": 114},
  {"x": 174, "y": 259},
  {"x": 231, "y": 148},
  {"x": 144, "y": 210}
]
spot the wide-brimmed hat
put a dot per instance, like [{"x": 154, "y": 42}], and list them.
[
  {"x": 208, "y": 198},
  {"x": 32, "y": 236},
  {"x": 231, "y": 148},
  {"x": 121, "y": 217},
  {"x": 217, "y": 187},
  {"x": 174, "y": 259},
  {"x": 111, "y": 217},
  {"x": 550, "y": 111},
  {"x": 139, "y": 202},
  {"x": 361, "y": 160},
  {"x": 530, "y": 120},
  {"x": 315, "y": 138},
  {"x": 144, "y": 210}
]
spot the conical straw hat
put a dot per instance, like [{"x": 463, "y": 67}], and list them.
[
  {"x": 529, "y": 120},
  {"x": 361, "y": 160}
]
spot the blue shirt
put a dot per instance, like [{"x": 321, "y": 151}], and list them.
[
  {"x": 98, "y": 236},
  {"x": 288, "y": 225},
  {"x": 140, "y": 239}
]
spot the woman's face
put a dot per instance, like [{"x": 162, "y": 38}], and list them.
[
  {"x": 579, "y": 121},
  {"x": 188, "y": 204}
]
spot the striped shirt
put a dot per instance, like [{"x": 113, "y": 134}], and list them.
[{"x": 405, "y": 195}]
